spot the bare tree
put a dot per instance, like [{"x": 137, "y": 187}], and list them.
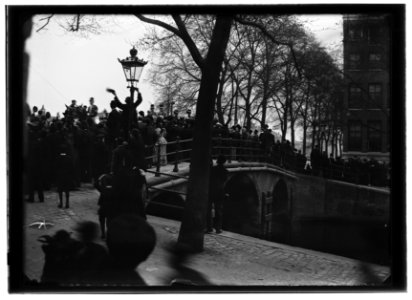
[{"x": 208, "y": 69}]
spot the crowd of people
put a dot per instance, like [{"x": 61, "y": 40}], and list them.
[
  {"x": 64, "y": 152},
  {"x": 82, "y": 145},
  {"x": 110, "y": 149}
]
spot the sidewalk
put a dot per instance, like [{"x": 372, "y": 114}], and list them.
[{"x": 228, "y": 259}]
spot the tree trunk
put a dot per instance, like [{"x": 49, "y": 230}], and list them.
[
  {"x": 305, "y": 129},
  {"x": 229, "y": 115},
  {"x": 236, "y": 110},
  {"x": 264, "y": 108},
  {"x": 248, "y": 118},
  {"x": 292, "y": 124},
  {"x": 194, "y": 217},
  {"x": 264, "y": 102},
  {"x": 285, "y": 120},
  {"x": 219, "y": 110}
]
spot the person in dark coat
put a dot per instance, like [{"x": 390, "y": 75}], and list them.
[
  {"x": 129, "y": 114},
  {"x": 315, "y": 160},
  {"x": 218, "y": 177},
  {"x": 100, "y": 162},
  {"x": 128, "y": 160},
  {"x": 113, "y": 125},
  {"x": 137, "y": 149},
  {"x": 36, "y": 165},
  {"x": 105, "y": 202},
  {"x": 64, "y": 174}
]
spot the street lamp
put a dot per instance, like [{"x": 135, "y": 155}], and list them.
[{"x": 132, "y": 68}]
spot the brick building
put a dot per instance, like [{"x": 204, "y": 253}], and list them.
[{"x": 367, "y": 69}]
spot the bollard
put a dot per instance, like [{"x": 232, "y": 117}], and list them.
[
  {"x": 176, "y": 168},
  {"x": 157, "y": 174}
]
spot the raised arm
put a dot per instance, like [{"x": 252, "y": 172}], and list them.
[
  {"x": 116, "y": 100},
  {"x": 139, "y": 99}
]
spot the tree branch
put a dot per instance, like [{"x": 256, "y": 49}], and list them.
[
  {"x": 194, "y": 51},
  {"x": 180, "y": 32},
  {"x": 159, "y": 23},
  {"x": 268, "y": 35},
  {"x": 47, "y": 22}
]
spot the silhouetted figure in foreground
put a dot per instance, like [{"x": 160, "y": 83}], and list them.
[
  {"x": 69, "y": 261},
  {"x": 90, "y": 257},
  {"x": 130, "y": 240},
  {"x": 59, "y": 265},
  {"x": 183, "y": 275}
]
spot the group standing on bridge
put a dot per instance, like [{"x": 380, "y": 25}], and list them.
[
  {"x": 64, "y": 152},
  {"x": 90, "y": 146}
]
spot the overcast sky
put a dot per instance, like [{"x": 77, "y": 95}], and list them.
[{"x": 66, "y": 66}]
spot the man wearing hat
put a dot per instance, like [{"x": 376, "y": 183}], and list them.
[
  {"x": 218, "y": 177},
  {"x": 92, "y": 110}
]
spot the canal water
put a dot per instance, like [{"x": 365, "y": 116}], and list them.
[{"x": 366, "y": 240}]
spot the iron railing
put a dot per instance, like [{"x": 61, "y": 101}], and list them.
[{"x": 178, "y": 151}]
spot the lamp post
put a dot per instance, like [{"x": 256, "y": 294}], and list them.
[{"x": 132, "y": 68}]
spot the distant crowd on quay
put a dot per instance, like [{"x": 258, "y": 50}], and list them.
[
  {"x": 90, "y": 139},
  {"x": 110, "y": 150}
]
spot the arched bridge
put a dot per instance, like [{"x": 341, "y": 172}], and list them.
[{"x": 270, "y": 202}]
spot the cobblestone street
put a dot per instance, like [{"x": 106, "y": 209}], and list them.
[{"x": 228, "y": 259}]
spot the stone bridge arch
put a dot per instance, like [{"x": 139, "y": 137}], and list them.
[
  {"x": 281, "y": 212},
  {"x": 241, "y": 207}
]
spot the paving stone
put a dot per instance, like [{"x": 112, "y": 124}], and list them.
[{"x": 229, "y": 259}]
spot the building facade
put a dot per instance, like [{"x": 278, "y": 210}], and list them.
[{"x": 367, "y": 69}]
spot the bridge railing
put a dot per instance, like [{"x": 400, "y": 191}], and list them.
[{"x": 178, "y": 151}]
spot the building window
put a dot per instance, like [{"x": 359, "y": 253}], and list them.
[
  {"x": 374, "y": 136},
  {"x": 375, "y": 57},
  {"x": 375, "y": 95},
  {"x": 354, "y": 61},
  {"x": 355, "y": 33},
  {"x": 355, "y": 97},
  {"x": 374, "y": 34},
  {"x": 355, "y": 136},
  {"x": 375, "y": 60}
]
